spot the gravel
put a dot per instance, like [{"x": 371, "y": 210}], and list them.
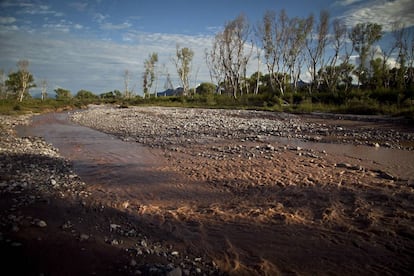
[{"x": 168, "y": 127}]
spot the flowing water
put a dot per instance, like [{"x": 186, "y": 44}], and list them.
[
  {"x": 397, "y": 162},
  {"x": 98, "y": 158}
]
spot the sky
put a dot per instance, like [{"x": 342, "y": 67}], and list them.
[{"x": 89, "y": 44}]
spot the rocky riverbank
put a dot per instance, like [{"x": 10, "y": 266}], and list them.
[{"x": 163, "y": 127}]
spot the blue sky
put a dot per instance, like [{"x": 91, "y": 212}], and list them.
[{"x": 89, "y": 44}]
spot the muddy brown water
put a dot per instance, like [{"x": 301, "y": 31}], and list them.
[
  {"x": 397, "y": 162},
  {"x": 98, "y": 158},
  {"x": 124, "y": 170}
]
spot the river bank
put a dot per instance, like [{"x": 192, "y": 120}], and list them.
[{"x": 222, "y": 192}]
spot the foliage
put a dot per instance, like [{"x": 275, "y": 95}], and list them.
[
  {"x": 183, "y": 59},
  {"x": 149, "y": 73},
  {"x": 85, "y": 95},
  {"x": 63, "y": 94},
  {"x": 206, "y": 88},
  {"x": 15, "y": 85}
]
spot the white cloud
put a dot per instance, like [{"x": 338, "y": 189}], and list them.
[
  {"x": 79, "y": 6},
  {"x": 8, "y": 28},
  {"x": 347, "y": 2},
  {"x": 382, "y": 12},
  {"x": 94, "y": 64},
  {"x": 99, "y": 17},
  {"x": 110, "y": 26},
  {"x": 33, "y": 9},
  {"x": 7, "y": 19}
]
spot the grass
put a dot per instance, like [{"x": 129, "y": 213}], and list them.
[
  {"x": 265, "y": 102},
  {"x": 12, "y": 107}
]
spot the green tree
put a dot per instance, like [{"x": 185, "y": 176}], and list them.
[
  {"x": 316, "y": 45},
  {"x": 3, "y": 87},
  {"x": 21, "y": 81},
  {"x": 380, "y": 73},
  {"x": 182, "y": 60},
  {"x": 363, "y": 36},
  {"x": 149, "y": 73},
  {"x": 113, "y": 95},
  {"x": 85, "y": 95},
  {"x": 63, "y": 94},
  {"x": 206, "y": 88}
]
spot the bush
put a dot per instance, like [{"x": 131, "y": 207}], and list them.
[
  {"x": 386, "y": 96},
  {"x": 364, "y": 107}
]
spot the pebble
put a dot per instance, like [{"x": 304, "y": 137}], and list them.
[
  {"x": 84, "y": 237},
  {"x": 41, "y": 223},
  {"x": 175, "y": 272}
]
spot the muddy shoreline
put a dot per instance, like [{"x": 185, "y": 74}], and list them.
[{"x": 231, "y": 192}]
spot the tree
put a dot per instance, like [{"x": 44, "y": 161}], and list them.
[
  {"x": 363, "y": 36},
  {"x": 149, "y": 73},
  {"x": 282, "y": 40},
  {"x": 214, "y": 64},
  {"x": 43, "y": 87},
  {"x": 85, "y": 95},
  {"x": 111, "y": 95},
  {"x": 316, "y": 45},
  {"x": 299, "y": 30},
  {"x": 404, "y": 43},
  {"x": 330, "y": 73},
  {"x": 3, "y": 87},
  {"x": 182, "y": 61},
  {"x": 63, "y": 94},
  {"x": 21, "y": 81},
  {"x": 206, "y": 88},
  {"x": 127, "y": 89},
  {"x": 25, "y": 78},
  {"x": 229, "y": 57}
]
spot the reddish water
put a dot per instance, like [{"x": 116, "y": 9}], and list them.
[
  {"x": 397, "y": 162},
  {"x": 97, "y": 157}
]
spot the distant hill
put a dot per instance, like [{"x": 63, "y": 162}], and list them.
[{"x": 171, "y": 92}]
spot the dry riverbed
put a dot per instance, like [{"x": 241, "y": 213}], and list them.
[{"x": 242, "y": 192}]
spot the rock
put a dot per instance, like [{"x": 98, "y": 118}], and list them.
[
  {"x": 133, "y": 263},
  {"x": 386, "y": 175},
  {"x": 16, "y": 244},
  {"x": 84, "y": 237},
  {"x": 41, "y": 223},
  {"x": 67, "y": 225},
  {"x": 113, "y": 227},
  {"x": 175, "y": 253},
  {"x": 376, "y": 145},
  {"x": 343, "y": 165},
  {"x": 175, "y": 272}
]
